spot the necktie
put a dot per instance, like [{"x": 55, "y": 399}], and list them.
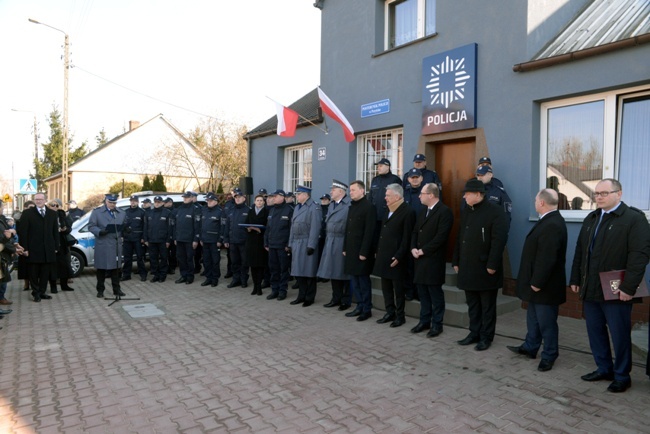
[
  {"x": 428, "y": 211},
  {"x": 593, "y": 240},
  {"x": 42, "y": 212},
  {"x": 335, "y": 203}
]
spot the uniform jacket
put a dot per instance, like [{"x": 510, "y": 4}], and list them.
[
  {"x": 394, "y": 243},
  {"x": 428, "y": 176},
  {"x": 39, "y": 235},
  {"x": 256, "y": 254},
  {"x": 332, "y": 261},
  {"x": 108, "y": 247},
  {"x": 412, "y": 197},
  {"x": 482, "y": 236},
  {"x": 305, "y": 230},
  {"x": 359, "y": 233},
  {"x": 235, "y": 234},
  {"x": 543, "y": 260},
  {"x": 134, "y": 224},
  {"x": 75, "y": 214},
  {"x": 377, "y": 193},
  {"x": 431, "y": 235},
  {"x": 159, "y": 225},
  {"x": 187, "y": 227},
  {"x": 278, "y": 227},
  {"x": 212, "y": 224},
  {"x": 623, "y": 241}
]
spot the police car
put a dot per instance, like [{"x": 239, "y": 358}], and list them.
[{"x": 82, "y": 254}]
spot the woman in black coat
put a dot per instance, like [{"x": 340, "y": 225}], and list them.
[
  {"x": 256, "y": 254},
  {"x": 62, "y": 269}
]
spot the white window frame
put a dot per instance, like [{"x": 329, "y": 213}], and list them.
[
  {"x": 421, "y": 30},
  {"x": 366, "y": 169},
  {"x": 300, "y": 158},
  {"x": 612, "y": 116}
]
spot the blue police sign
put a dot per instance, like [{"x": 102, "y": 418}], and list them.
[
  {"x": 375, "y": 108},
  {"x": 449, "y": 90}
]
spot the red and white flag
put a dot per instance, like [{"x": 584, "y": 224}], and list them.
[
  {"x": 333, "y": 111},
  {"x": 287, "y": 120}
]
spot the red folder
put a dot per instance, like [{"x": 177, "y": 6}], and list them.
[{"x": 611, "y": 281}]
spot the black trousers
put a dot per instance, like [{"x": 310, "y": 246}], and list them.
[
  {"x": 39, "y": 275},
  {"x": 212, "y": 262},
  {"x": 394, "y": 297},
  {"x": 257, "y": 273},
  {"x": 482, "y": 307},
  {"x": 171, "y": 255},
  {"x": 114, "y": 275},
  {"x": 158, "y": 260},
  {"x": 128, "y": 249},
  {"x": 239, "y": 263},
  {"x": 340, "y": 291},
  {"x": 306, "y": 288},
  {"x": 185, "y": 256}
]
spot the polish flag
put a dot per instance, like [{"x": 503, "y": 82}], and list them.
[
  {"x": 287, "y": 120},
  {"x": 333, "y": 111}
]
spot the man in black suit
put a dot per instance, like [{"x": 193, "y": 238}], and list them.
[
  {"x": 428, "y": 247},
  {"x": 542, "y": 280},
  {"x": 39, "y": 235}
]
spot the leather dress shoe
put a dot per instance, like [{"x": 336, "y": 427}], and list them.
[
  {"x": 143, "y": 278},
  {"x": 297, "y": 301},
  {"x": 5, "y": 311},
  {"x": 189, "y": 281},
  {"x": 307, "y": 303},
  {"x": 180, "y": 280},
  {"x": 119, "y": 292},
  {"x": 123, "y": 278},
  {"x": 331, "y": 304},
  {"x": 228, "y": 275},
  {"x": 206, "y": 283},
  {"x": 355, "y": 312},
  {"x": 435, "y": 331},
  {"x": 295, "y": 286},
  {"x": 398, "y": 322},
  {"x": 233, "y": 284},
  {"x": 420, "y": 327},
  {"x": 100, "y": 294},
  {"x": 155, "y": 279},
  {"x": 67, "y": 288},
  {"x": 54, "y": 291},
  {"x": 468, "y": 340},
  {"x": 244, "y": 285},
  {"x": 545, "y": 365},
  {"x": 282, "y": 297},
  {"x": 388, "y": 317},
  {"x": 482, "y": 346},
  {"x": 344, "y": 307},
  {"x": 37, "y": 299},
  {"x": 364, "y": 316},
  {"x": 214, "y": 284},
  {"x": 597, "y": 376},
  {"x": 521, "y": 350},
  {"x": 271, "y": 296},
  {"x": 46, "y": 297},
  {"x": 162, "y": 279},
  {"x": 619, "y": 386}
]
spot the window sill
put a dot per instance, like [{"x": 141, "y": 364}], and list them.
[{"x": 408, "y": 44}]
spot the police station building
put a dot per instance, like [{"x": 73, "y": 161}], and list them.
[{"x": 555, "y": 92}]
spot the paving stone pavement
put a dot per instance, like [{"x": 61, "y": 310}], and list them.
[{"x": 223, "y": 361}]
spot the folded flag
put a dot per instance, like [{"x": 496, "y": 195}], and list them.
[{"x": 333, "y": 111}]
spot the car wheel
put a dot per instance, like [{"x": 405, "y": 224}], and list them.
[{"x": 76, "y": 263}]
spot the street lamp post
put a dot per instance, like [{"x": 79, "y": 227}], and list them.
[{"x": 64, "y": 152}]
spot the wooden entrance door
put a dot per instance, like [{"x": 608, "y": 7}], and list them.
[{"x": 455, "y": 164}]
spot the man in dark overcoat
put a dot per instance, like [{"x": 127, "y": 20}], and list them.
[
  {"x": 134, "y": 240},
  {"x": 428, "y": 247},
  {"x": 106, "y": 223},
  {"x": 332, "y": 261},
  {"x": 303, "y": 243},
  {"x": 158, "y": 238},
  {"x": 478, "y": 260},
  {"x": 393, "y": 249},
  {"x": 613, "y": 237},
  {"x": 542, "y": 280},
  {"x": 358, "y": 249},
  {"x": 276, "y": 242},
  {"x": 39, "y": 235}
]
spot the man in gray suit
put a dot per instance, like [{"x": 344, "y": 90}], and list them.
[{"x": 106, "y": 223}]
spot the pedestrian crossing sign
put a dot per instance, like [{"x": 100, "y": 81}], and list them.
[{"x": 27, "y": 186}]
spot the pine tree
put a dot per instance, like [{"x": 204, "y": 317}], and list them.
[
  {"x": 158, "y": 183},
  {"x": 146, "y": 183}
]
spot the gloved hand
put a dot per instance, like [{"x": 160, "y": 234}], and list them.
[
  {"x": 103, "y": 232},
  {"x": 310, "y": 251}
]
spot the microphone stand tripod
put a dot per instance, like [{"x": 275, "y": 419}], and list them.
[{"x": 118, "y": 258}]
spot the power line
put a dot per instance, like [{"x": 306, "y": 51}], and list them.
[{"x": 143, "y": 94}]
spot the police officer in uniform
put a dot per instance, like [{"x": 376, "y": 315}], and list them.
[
  {"x": 172, "y": 263},
  {"x": 198, "y": 252},
  {"x": 378, "y": 186},
  {"x": 235, "y": 239},
  {"x": 134, "y": 224},
  {"x": 158, "y": 238},
  {"x": 493, "y": 192},
  {"x": 486, "y": 161},
  {"x": 420, "y": 163},
  {"x": 187, "y": 231},
  {"x": 212, "y": 220},
  {"x": 276, "y": 241}
]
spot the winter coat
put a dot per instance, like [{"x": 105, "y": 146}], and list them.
[
  {"x": 394, "y": 243},
  {"x": 359, "y": 232},
  {"x": 278, "y": 226},
  {"x": 39, "y": 235},
  {"x": 134, "y": 223},
  {"x": 108, "y": 246},
  {"x": 256, "y": 254},
  {"x": 159, "y": 225},
  {"x": 187, "y": 227},
  {"x": 212, "y": 224},
  {"x": 377, "y": 193},
  {"x": 332, "y": 262},
  {"x": 482, "y": 237},
  {"x": 305, "y": 230},
  {"x": 235, "y": 234},
  {"x": 430, "y": 234}
]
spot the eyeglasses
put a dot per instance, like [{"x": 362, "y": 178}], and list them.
[
  {"x": 604, "y": 193},
  {"x": 54, "y": 205}
]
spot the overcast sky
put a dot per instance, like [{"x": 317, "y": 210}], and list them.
[{"x": 206, "y": 57}]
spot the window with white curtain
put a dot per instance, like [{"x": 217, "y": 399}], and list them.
[
  {"x": 373, "y": 147},
  {"x": 588, "y": 138},
  {"x": 297, "y": 167},
  {"x": 408, "y": 20}
]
